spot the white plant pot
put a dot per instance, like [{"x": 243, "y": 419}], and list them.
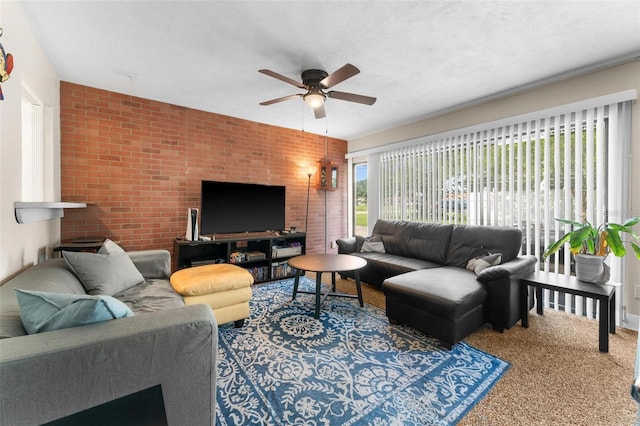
[{"x": 592, "y": 268}]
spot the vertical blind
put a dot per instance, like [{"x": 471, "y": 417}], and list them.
[{"x": 521, "y": 173}]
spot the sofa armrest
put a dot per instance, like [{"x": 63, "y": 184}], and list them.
[
  {"x": 51, "y": 375},
  {"x": 350, "y": 245},
  {"x": 518, "y": 267},
  {"x": 503, "y": 288},
  {"x": 152, "y": 263},
  {"x": 346, "y": 245}
]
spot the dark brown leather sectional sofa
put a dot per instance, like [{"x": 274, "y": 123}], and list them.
[{"x": 427, "y": 286}]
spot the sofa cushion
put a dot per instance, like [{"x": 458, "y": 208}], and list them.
[
  {"x": 106, "y": 274},
  {"x": 384, "y": 265},
  {"x": 469, "y": 241},
  {"x": 151, "y": 296},
  {"x": 447, "y": 292},
  {"x": 427, "y": 241},
  {"x": 152, "y": 263},
  {"x": 43, "y": 311}
]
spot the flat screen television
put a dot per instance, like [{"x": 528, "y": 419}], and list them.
[{"x": 229, "y": 207}]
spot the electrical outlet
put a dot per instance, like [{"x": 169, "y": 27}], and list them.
[
  {"x": 636, "y": 291},
  {"x": 333, "y": 245}
]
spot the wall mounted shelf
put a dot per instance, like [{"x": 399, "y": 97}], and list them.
[{"x": 27, "y": 212}]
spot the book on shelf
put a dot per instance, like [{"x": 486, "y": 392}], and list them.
[
  {"x": 281, "y": 270},
  {"x": 259, "y": 273}
]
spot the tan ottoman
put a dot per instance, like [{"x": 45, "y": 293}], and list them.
[{"x": 224, "y": 287}]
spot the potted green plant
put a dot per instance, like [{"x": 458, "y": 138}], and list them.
[{"x": 591, "y": 244}]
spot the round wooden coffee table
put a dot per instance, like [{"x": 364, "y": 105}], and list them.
[{"x": 333, "y": 263}]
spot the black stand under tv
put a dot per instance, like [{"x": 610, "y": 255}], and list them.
[{"x": 263, "y": 254}]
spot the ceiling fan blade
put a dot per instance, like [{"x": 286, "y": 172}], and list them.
[
  {"x": 282, "y": 78},
  {"x": 339, "y": 76},
  {"x": 275, "y": 101},
  {"x": 352, "y": 97},
  {"x": 319, "y": 112}
]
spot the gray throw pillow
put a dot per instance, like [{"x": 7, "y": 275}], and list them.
[
  {"x": 479, "y": 264},
  {"x": 109, "y": 247},
  {"x": 107, "y": 274},
  {"x": 373, "y": 244}
]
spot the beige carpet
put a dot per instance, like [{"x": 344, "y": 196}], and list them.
[{"x": 557, "y": 374}]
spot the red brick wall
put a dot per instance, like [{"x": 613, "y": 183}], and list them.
[{"x": 141, "y": 163}]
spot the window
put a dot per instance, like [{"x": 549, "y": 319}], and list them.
[
  {"x": 522, "y": 174},
  {"x": 360, "y": 210},
  {"x": 566, "y": 162},
  {"x": 33, "y": 148}
]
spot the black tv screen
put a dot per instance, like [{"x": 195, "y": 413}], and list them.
[{"x": 229, "y": 207}]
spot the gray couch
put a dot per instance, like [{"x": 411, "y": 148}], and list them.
[
  {"x": 54, "y": 374},
  {"x": 423, "y": 274}
]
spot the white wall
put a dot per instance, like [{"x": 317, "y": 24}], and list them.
[
  {"x": 612, "y": 80},
  {"x": 24, "y": 244}
]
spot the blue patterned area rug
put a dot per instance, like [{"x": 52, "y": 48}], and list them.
[{"x": 349, "y": 367}]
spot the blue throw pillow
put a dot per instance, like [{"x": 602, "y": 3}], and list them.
[{"x": 42, "y": 311}]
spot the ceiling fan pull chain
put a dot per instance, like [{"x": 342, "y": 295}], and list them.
[{"x": 326, "y": 138}]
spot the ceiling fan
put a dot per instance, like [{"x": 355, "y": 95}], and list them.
[{"x": 316, "y": 83}]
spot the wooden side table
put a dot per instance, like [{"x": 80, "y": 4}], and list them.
[
  {"x": 333, "y": 263},
  {"x": 604, "y": 293}
]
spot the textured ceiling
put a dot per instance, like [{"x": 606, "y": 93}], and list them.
[{"x": 417, "y": 58}]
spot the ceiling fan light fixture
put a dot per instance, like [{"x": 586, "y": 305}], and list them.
[
  {"x": 314, "y": 99},
  {"x": 315, "y": 82}
]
